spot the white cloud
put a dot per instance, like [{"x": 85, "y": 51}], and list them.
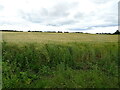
[
  {"x": 110, "y": 29},
  {"x": 92, "y": 15}
]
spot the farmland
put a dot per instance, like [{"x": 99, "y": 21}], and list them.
[
  {"x": 59, "y": 60},
  {"x": 31, "y": 37}
]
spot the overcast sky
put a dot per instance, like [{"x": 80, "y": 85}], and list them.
[{"x": 59, "y": 15}]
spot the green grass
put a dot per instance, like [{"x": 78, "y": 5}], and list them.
[
  {"x": 59, "y": 60},
  {"x": 60, "y": 65}
]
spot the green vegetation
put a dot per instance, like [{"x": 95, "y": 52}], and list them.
[{"x": 60, "y": 65}]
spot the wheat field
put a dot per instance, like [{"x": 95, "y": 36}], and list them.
[{"x": 29, "y": 37}]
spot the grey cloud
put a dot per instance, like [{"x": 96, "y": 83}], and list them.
[
  {"x": 58, "y": 15},
  {"x": 50, "y": 15},
  {"x": 111, "y": 20},
  {"x": 119, "y": 13},
  {"x": 60, "y": 10},
  {"x": 79, "y": 15},
  {"x": 1, "y": 7},
  {"x": 91, "y": 27},
  {"x": 68, "y": 22},
  {"x": 109, "y": 17},
  {"x": 60, "y": 23},
  {"x": 53, "y": 25},
  {"x": 101, "y": 1},
  {"x": 32, "y": 17},
  {"x": 44, "y": 12},
  {"x": 87, "y": 28}
]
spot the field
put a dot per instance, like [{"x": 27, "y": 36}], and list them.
[
  {"x": 59, "y": 60},
  {"x": 37, "y": 37}
]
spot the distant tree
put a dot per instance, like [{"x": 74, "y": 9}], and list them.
[
  {"x": 66, "y": 32},
  {"x": 77, "y": 32},
  {"x": 117, "y": 32},
  {"x": 29, "y": 31},
  {"x": 59, "y": 31}
]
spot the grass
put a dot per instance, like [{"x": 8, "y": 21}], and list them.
[{"x": 55, "y": 64}]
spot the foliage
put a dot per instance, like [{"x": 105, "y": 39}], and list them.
[{"x": 70, "y": 65}]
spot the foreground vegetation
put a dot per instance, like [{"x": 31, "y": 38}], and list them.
[
  {"x": 56, "y": 65},
  {"x": 59, "y": 60}
]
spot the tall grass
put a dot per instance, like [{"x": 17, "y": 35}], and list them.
[{"x": 70, "y": 65}]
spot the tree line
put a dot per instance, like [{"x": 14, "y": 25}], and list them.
[{"x": 116, "y": 32}]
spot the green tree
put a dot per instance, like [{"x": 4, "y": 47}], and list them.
[{"x": 117, "y": 32}]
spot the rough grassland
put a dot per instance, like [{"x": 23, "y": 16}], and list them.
[{"x": 56, "y": 60}]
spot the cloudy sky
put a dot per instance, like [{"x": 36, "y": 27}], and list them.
[{"x": 59, "y": 15}]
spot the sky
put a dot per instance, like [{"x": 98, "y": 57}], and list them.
[{"x": 91, "y": 16}]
